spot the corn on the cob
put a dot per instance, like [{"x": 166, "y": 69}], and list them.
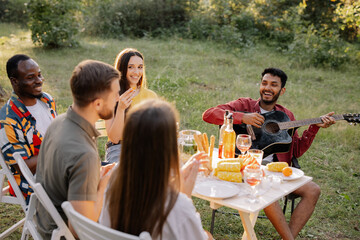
[
  {"x": 230, "y": 160},
  {"x": 215, "y": 172},
  {"x": 230, "y": 176},
  {"x": 277, "y": 166},
  {"x": 229, "y": 166}
]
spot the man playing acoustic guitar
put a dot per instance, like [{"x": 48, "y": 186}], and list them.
[{"x": 248, "y": 111}]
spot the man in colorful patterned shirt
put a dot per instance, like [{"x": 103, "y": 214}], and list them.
[{"x": 25, "y": 117}]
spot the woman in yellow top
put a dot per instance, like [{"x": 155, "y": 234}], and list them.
[{"x": 130, "y": 62}]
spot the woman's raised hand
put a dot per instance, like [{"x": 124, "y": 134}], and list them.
[
  {"x": 125, "y": 99},
  {"x": 190, "y": 170}
]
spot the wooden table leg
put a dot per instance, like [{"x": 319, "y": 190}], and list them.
[
  {"x": 215, "y": 205},
  {"x": 248, "y": 221}
]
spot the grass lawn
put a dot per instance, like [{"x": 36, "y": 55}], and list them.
[{"x": 197, "y": 75}]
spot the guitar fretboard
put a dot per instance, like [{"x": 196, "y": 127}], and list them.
[{"x": 299, "y": 123}]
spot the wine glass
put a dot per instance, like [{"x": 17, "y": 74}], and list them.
[
  {"x": 253, "y": 177},
  {"x": 243, "y": 143},
  {"x": 187, "y": 145},
  {"x": 257, "y": 154}
]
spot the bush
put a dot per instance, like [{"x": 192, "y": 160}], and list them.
[
  {"x": 102, "y": 18},
  {"x": 310, "y": 48},
  {"x": 204, "y": 27},
  {"x": 199, "y": 27},
  {"x": 53, "y": 23},
  {"x": 14, "y": 11},
  {"x": 246, "y": 24},
  {"x": 230, "y": 35},
  {"x": 134, "y": 18}
]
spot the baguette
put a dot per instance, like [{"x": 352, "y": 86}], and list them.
[
  {"x": 198, "y": 140},
  {"x": 212, "y": 145},
  {"x": 205, "y": 142}
]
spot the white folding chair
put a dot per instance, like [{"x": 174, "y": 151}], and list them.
[
  {"x": 100, "y": 126},
  {"x": 90, "y": 230},
  {"x": 40, "y": 195},
  {"x": 5, "y": 173}
]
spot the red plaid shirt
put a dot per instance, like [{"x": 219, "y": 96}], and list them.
[{"x": 299, "y": 145}]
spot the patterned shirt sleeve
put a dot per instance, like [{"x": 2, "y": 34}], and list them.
[{"x": 12, "y": 140}]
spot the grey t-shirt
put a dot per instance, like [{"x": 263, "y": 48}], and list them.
[{"x": 68, "y": 166}]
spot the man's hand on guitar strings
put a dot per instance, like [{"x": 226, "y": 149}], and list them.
[
  {"x": 327, "y": 120},
  {"x": 254, "y": 119}
]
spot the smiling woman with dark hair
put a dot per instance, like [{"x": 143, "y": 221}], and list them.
[
  {"x": 146, "y": 191},
  {"x": 130, "y": 63}
]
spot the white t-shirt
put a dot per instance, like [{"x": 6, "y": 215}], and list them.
[
  {"x": 40, "y": 111},
  {"x": 269, "y": 158},
  {"x": 183, "y": 222}
]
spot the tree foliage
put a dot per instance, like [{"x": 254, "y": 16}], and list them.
[
  {"x": 311, "y": 32},
  {"x": 321, "y": 33},
  {"x": 348, "y": 17}
]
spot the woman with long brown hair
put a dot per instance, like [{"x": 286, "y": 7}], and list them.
[
  {"x": 133, "y": 90},
  {"x": 147, "y": 191}
]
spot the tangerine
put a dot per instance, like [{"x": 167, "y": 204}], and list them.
[{"x": 287, "y": 171}]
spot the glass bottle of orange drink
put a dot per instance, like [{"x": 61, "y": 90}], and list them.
[
  {"x": 229, "y": 138},
  {"x": 221, "y": 133}
]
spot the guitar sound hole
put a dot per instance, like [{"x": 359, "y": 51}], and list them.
[{"x": 272, "y": 127}]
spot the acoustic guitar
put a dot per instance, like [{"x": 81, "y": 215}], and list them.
[{"x": 275, "y": 135}]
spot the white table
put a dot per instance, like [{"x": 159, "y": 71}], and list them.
[{"x": 249, "y": 212}]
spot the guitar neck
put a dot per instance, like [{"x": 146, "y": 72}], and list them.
[{"x": 299, "y": 123}]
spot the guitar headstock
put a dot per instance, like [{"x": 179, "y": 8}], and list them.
[{"x": 352, "y": 118}]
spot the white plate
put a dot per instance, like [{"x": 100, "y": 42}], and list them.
[
  {"x": 297, "y": 173},
  {"x": 216, "y": 189}
]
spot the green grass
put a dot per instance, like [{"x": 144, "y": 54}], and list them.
[{"x": 198, "y": 75}]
